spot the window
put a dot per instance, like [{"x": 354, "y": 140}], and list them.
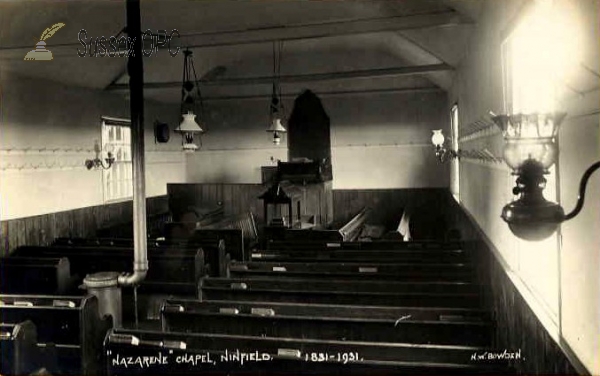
[
  {"x": 538, "y": 57},
  {"x": 117, "y": 180},
  {"x": 455, "y": 167}
]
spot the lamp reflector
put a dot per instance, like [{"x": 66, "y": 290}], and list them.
[
  {"x": 276, "y": 126},
  {"x": 189, "y": 125}
]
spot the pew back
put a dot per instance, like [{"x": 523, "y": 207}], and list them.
[
  {"x": 35, "y": 275},
  {"x": 19, "y": 355},
  {"x": 191, "y": 353},
  {"x": 72, "y": 325}
]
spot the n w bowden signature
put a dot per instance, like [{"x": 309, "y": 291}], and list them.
[{"x": 504, "y": 355}]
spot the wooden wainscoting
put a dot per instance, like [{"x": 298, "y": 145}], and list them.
[
  {"x": 82, "y": 222},
  {"x": 517, "y": 326},
  {"x": 242, "y": 198},
  {"x": 428, "y": 206}
]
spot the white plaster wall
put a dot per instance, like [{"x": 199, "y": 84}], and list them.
[
  {"x": 560, "y": 283},
  {"x": 378, "y": 141},
  {"x": 38, "y": 114}
]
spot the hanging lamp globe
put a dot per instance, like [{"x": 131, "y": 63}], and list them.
[{"x": 188, "y": 128}]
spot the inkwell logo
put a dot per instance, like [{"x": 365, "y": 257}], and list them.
[{"x": 40, "y": 52}]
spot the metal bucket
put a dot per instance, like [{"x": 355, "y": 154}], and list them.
[{"x": 105, "y": 287}]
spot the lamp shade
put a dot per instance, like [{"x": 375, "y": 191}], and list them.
[
  {"x": 530, "y": 137},
  {"x": 276, "y": 126},
  {"x": 189, "y": 125},
  {"x": 437, "y": 138}
]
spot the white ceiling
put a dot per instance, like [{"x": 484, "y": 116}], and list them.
[{"x": 345, "y": 47}]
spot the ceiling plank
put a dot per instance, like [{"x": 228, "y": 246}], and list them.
[
  {"x": 281, "y": 33},
  {"x": 344, "y": 93},
  {"x": 323, "y": 30},
  {"x": 359, "y": 74}
]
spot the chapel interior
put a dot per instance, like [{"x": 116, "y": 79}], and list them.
[{"x": 242, "y": 187}]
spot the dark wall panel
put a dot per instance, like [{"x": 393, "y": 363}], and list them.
[
  {"x": 236, "y": 198},
  {"x": 426, "y": 205},
  {"x": 243, "y": 198},
  {"x": 517, "y": 327},
  {"x": 83, "y": 222}
]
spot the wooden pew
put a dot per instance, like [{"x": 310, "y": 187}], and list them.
[
  {"x": 232, "y": 239},
  {"x": 244, "y": 222},
  {"x": 21, "y": 275},
  {"x": 192, "y": 354},
  {"x": 20, "y": 354},
  {"x": 353, "y": 256},
  {"x": 69, "y": 325},
  {"x": 213, "y": 247},
  {"x": 170, "y": 272},
  {"x": 265, "y": 322},
  {"x": 315, "y": 244},
  {"x": 155, "y": 224},
  {"x": 351, "y": 230},
  {"x": 327, "y": 310},
  {"x": 414, "y": 271},
  {"x": 336, "y": 291}
]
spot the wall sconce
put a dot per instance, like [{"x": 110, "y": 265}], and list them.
[
  {"x": 530, "y": 150},
  {"x": 441, "y": 152},
  {"x": 98, "y": 162}
]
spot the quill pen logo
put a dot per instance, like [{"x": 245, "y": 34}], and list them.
[{"x": 40, "y": 52}]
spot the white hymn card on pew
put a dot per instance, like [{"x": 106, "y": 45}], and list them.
[
  {"x": 367, "y": 269},
  {"x": 173, "y": 308},
  {"x": 290, "y": 353},
  {"x": 333, "y": 245},
  {"x": 279, "y": 269},
  {"x": 63, "y": 303},
  {"x": 231, "y": 311},
  {"x": 239, "y": 286},
  {"x": 22, "y": 303},
  {"x": 262, "y": 311}
]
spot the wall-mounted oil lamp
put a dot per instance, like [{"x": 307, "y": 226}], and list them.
[
  {"x": 530, "y": 150},
  {"x": 97, "y": 162},
  {"x": 441, "y": 152}
]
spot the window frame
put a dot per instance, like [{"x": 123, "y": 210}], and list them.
[{"x": 122, "y": 187}]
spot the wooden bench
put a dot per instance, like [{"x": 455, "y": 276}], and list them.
[
  {"x": 70, "y": 325},
  {"x": 21, "y": 275},
  {"x": 314, "y": 244},
  {"x": 335, "y": 291},
  {"x": 232, "y": 239},
  {"x": 244, "y": 222},
  {"x": 417, "y": 272},
  {"x": 354, "y": 256},
  {"x": 327, "y": 310},
  {"x": 213, "y": 247},
  {"x": 181, "y": 265},
  {"x": 20, "y": 354},
  {"x": 154, "y": 225},
  {"x": 192, "y": 354},
  {"x": 265, "y": 322},
  {"x": 351, "y": 230}
]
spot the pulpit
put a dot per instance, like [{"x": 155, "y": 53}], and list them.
[{"x": 278, "y": 203}]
